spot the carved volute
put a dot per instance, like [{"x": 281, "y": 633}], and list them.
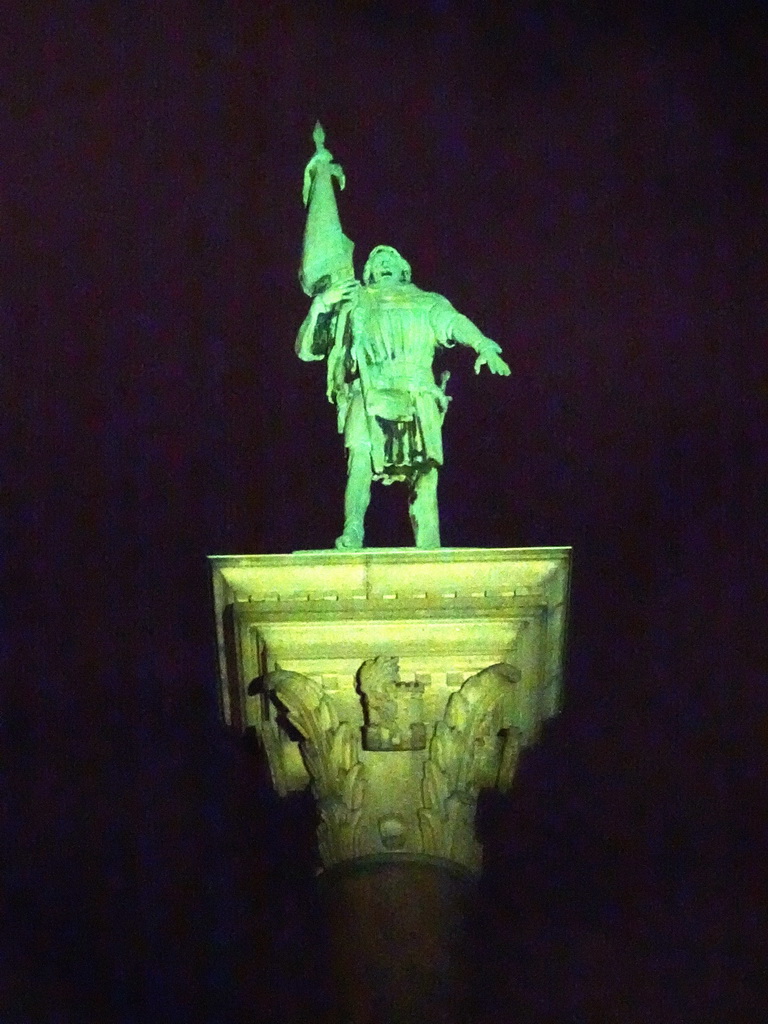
[{"x": 404, "y": 781}]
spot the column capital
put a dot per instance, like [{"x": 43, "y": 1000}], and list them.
[{"x": 396, "y": 683}]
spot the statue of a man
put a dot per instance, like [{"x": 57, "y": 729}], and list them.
[{"x": 380, "y": 339}]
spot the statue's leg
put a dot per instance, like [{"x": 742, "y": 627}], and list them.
[
  {"x": 425, "y": 518},
  {"x": 357, "y": 497}
]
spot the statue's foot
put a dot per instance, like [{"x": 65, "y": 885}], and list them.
[{"x": 350, "y": 540}]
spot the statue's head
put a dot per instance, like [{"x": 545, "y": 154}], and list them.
[{"x": 386, "y": 264}]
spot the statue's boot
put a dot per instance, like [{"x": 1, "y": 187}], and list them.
[
  {"x": 351, "y": 539},
  {"x": 425, "y": 518}
]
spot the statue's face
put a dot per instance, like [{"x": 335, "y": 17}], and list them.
[{"x": 386, "y": 264}]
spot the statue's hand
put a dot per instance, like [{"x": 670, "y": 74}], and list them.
[
  {"x": 494, "y": 362},
  {"x": 343, "y": 292}
]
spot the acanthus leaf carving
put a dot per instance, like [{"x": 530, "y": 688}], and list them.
[
  {"x": 474, "y": 746},
  {"x": 476, "y": 740},
  {"x": 331, "y": 752}
]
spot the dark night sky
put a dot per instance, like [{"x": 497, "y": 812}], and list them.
[{"x": 588, "y": 187}]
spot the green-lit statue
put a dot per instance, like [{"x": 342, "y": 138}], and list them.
[{"x": 380, "y": 339}]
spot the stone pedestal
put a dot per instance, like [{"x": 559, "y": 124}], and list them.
[{"x": 396, "y": 683}]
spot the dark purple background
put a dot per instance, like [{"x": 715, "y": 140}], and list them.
[{"x": 588, "y": 187}]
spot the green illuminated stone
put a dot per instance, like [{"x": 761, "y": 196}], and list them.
[
  {"x": 379, "y": 337},
  {"x": 396, "y": 684}
]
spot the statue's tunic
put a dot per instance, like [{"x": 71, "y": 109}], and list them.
[{"x": 380, "y": 375}]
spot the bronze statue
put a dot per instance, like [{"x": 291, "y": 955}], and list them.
[{"x": 380, "y": 338}]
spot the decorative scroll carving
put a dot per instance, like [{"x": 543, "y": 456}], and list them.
[
  {"x": 394, "y": 710},
  {"x": 331, "y": 751},
  {"x": 474, "y": 747},
  {"x": 369, "y": 801},
  {"x": 286, "y": 765}
]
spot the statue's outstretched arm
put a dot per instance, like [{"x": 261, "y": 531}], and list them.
[{"x": 488, "y": 352}]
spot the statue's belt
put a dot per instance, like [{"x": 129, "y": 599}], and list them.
[
  {"x": 397, "y": 375},
  {"x": 396, "y": 404}
]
